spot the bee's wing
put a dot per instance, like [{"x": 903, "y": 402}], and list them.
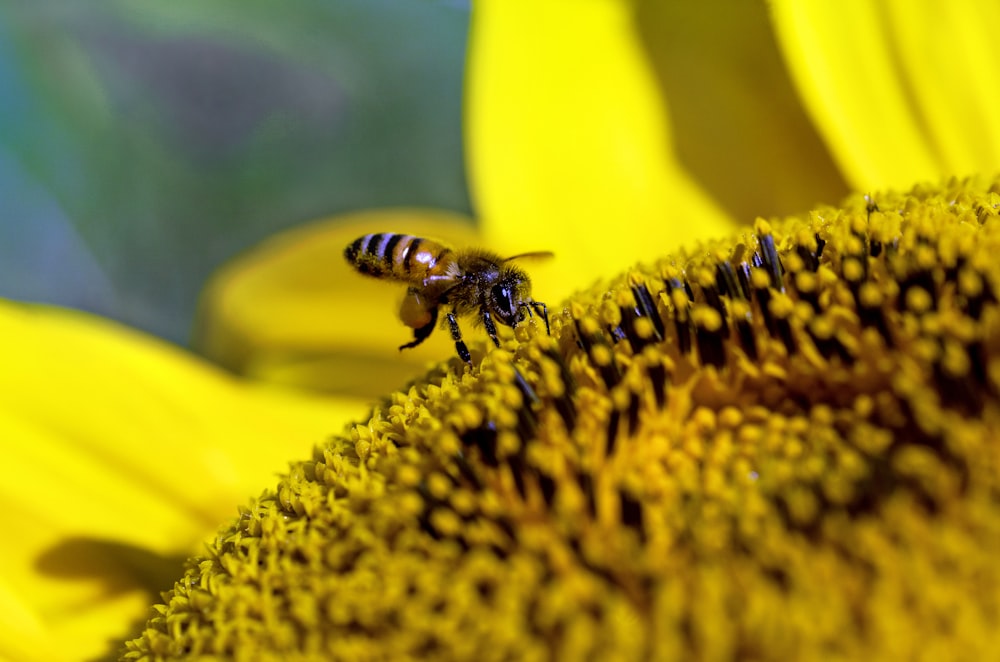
[{"x": 532, "y": 255}]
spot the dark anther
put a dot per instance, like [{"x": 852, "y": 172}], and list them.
[
  {"x": 830, "y": 347},
  {"x": 609, "y": 373},
  {"x": 684, "y": 332},
  {"x": 959, "y": 392},
  {"x": 505, "y": 526},
  {"x": 647, "y": 307},
  {"x": 820, "y": 245},
  {"x": 485, "y": 439},
  {"x": 548, "y": 487},
  {"x": 425, "y": 516},
  {"x": 874, "y": 317},
  {"x": 427, "y": 527},
  {"x": 712, "y": 345},
  {"x": 468, "y": 472},
  {"x": 681, "y": 318},
  {"x": 974, "y": 304},
  {"x": 978, "y": 363},
  {"x": 631, "y": 511},
  {"x": 809, "y": 259},
  {"x": 771, "y": 261},
  {"x": 586, "y": 483},
  {"x": 743, "y": 274},
  {"x": 644, "y": 307},
  {"x": 564, "y": 403},
  {"x": 567, "y": 410},
  {"x": 747, "y": 338},
  {"x": 777, "y": 327},
  {"x": 658, "y": 380},
  {"x": 527, "y": 421},
  {"x": 612, "y": 433},
  {"x": 810, "y": 297},
  {"x": 518, "y": 467},
  {"x": 729, "y": 283},
  {"x": 633, "y": 413},
  {"x": 530, "y": 397},
  {"x": 785, "y": 334},
  {"x": 713, "y": 299},
  {"x": 763, "y": 296},
  {"x": 627, "y": 327}
]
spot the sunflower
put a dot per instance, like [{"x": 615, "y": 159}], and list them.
[{"x": 792, "y": 421}]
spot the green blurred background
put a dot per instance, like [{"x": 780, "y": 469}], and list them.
[{"x": 144, "y": 144}]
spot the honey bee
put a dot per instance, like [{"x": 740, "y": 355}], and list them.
[{"x": 464, "y": 282}]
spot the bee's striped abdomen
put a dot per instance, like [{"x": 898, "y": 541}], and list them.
[{"x": 398, "y": 256}]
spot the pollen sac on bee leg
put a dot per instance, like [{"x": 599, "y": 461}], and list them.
[{"x": 414, "y": 310}]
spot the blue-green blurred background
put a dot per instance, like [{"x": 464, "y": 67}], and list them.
[{"x": 143, "y": 144}]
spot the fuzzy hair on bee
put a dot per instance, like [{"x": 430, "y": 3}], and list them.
[{"x": 470, "y": 282}]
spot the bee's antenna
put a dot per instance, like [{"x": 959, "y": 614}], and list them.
[{"x": 532, "y": 254}]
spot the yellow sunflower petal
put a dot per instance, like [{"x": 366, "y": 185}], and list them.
[
  {"x": 22, "y": 636},
  {"x": 738, "y": 124},
  {"x": 293, "y": 311},
  {"x": 567, "y": 138},
  {"x": 902, "y": 91},
  {"x": 120, "y": 454},
  {"x": 954, "y": 74}
]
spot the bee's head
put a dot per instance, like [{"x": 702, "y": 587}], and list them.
[{"x": 509, "y": 294}]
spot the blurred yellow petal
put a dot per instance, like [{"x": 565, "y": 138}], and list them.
[
  {"x": 121, "y": 454},
  {"x": 293, "y": 311},
  {"x": 902, "y": 91},
  {"x": 567, "y": 137},
  {"x": 22, "y": 636},
  {"x": 954, "y": 74},
  {"x": 738, "y": 125}
]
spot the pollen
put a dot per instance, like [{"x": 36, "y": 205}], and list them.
[{"x": 780, "y": 446}]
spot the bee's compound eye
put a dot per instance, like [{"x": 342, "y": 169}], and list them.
[{"x": 503, "y": 304}]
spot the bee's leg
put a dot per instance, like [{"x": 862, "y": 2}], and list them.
[
  {"x": 542, "y": 310},
  {"x": 491, "y": 328},
  {"x": 456, "y": 335},
  {"x": 420, "y": 333}
]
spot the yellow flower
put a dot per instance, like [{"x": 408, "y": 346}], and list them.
[
  {"x": 780, "y": 446},
  {"x": 121, "y": 455},
  {"x": 104, "y": 497}
]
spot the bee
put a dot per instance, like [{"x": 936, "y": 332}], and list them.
[{"x": 463, "y": 282}]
